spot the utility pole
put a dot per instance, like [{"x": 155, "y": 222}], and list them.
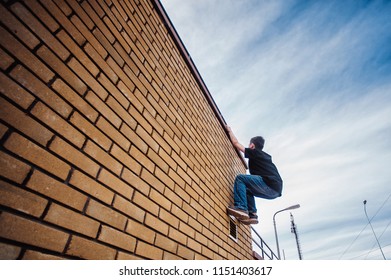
[{"x": 294, "y": 231}]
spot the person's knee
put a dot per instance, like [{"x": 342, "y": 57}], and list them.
[{"x": 240, "y": 177}]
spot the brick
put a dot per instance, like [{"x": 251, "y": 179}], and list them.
[
  {"x": 44, "y": 16},
  {"x": 36, "y": 155},
  {"x": 124, "y": 115},
  {"x": 91, "y": 187},
  {"x": 87, "y": 78},
  {"x": 117, "y": 238},
  {"x": 104, "y": 158},
  {"x": 115, "y": 183},
  {"x": 15, "y": 92},
  {"x": 142, "y": 159},
  {"x": 13, "y": 168},
  {"x": 74, "y": 98},
  {"x": 75, "y": 157},
  {"x": 189, "y": 231},
  {"x": 173, "y": 197},
  {"x": 134, "y": 138},
  {"x": 31, "y": 232},
  {"x": 114, "y": 91},
  {"x": 178, "y": 160},
  {"x": 160, "y": 199},
  {"x": 183, "y": 174},
  {"x": 165, "y": 155},
  {"x": 169, "y": 218},
  {"x": 145, "y": 203},
  {"x": 35, "y": 255},
  {"x": 149, "y": 251},
  {"x": 182, "y": 214},
  {"x": 140, "y": 231},
  {"x": 156, "y": 126},
  {"x": 39, "y": 89},
  {"x": 185, "y": 253},
  {"x": 108, "y": 46},
  {"x": 139, "y": 119},
  {"x": 78, "y": 53},
  {"x": 154, "y": 157},
  {"x": 5, "y": 60},
  {"x": 207, "y": 252},
  {"x": 125, "y": 159},
  {"x": 18, "y": 28},
  {"x": 166, "y": 243},
  {"x": 127, "y": 91},
  {"x": 154, "y": 182},
  {"x": 135, "y": 181},
  {"x": 87, "y": 249},
  {"x": 103, "y": 65},
  {"x": 150, "y": 110},
  {"x": 183, "y": 194},
  {"x": 72, "y": 220},
  {"x": 106, "y": 215},
  {"x": 9, "y": 252},
  {"x": 44, "y": 34},
  {"x": 170, "y": 256},
  {"x": 193, "y": 194},
  {"x": 129, "y": 209},
  {"x": 113, "y": 133},
  {"x": 56, "y": 190},
  {"x": 194, "y": 245},
  {"x": 156, "y": 224},
  {"x": 18, "y": 119},
  {"x": 126, "y": 256},
  {"x": 62, "y": 70},
  {"x": 91, "y": 131},
  {"x": 190, "y": 210},
  {"x": 21, "y": 200},
  {"x": 3, "y": 130},
  {"x": 103, "y": 109},
  {"x": 57, "y": 123},
  {"x": 24, "y": 55}
]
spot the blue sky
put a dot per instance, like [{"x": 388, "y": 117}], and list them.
[{"x": 313, "y": 78}]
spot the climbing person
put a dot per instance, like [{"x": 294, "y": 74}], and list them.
[{"x": 264, "y": 180}]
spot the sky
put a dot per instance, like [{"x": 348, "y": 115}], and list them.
[{"x": 314, "y": 79}]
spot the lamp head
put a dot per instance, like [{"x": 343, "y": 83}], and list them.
[{"x": 293, "y": 207}]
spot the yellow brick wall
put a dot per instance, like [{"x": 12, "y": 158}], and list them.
[{"x": 110, "y": 147}]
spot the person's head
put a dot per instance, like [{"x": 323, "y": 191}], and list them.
[{"x": 257, "y": 142}]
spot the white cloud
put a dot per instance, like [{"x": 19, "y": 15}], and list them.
[{"x": 315, "y": 81}]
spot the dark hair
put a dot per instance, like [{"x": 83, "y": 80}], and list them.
[{"x": 258, "y": 141}]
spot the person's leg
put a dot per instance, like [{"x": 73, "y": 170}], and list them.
[
  {"x": 258, "y": 188},
  {"x": 255, "y": 187},
  {"x": 247, "y": 187},
  {"x": 239, "y": 210},
  {"x": 240, "y": 192},
  {"x": 251, "y": 202}
]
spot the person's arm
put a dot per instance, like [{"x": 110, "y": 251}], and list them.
[{"x": 234, "y": 141}]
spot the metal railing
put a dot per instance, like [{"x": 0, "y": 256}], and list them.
[{"x": 265, "y": 249}]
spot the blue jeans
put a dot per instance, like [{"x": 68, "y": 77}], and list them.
[{"x": 247, "y": 187}]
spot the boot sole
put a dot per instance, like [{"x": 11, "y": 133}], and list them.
[{"x": 240, "y": 215}]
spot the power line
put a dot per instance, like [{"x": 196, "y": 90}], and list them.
[
  {"x": 374, "y": 233},
  {"x": 374, "y": 244},
  {"x": 358, "y": 257},
  {"x": 350, "y": 245}
]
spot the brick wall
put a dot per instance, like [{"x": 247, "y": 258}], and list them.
[{"x": 110, "y": 145}]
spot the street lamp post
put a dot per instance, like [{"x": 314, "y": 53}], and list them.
[{"x": 275, "y": 227}]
